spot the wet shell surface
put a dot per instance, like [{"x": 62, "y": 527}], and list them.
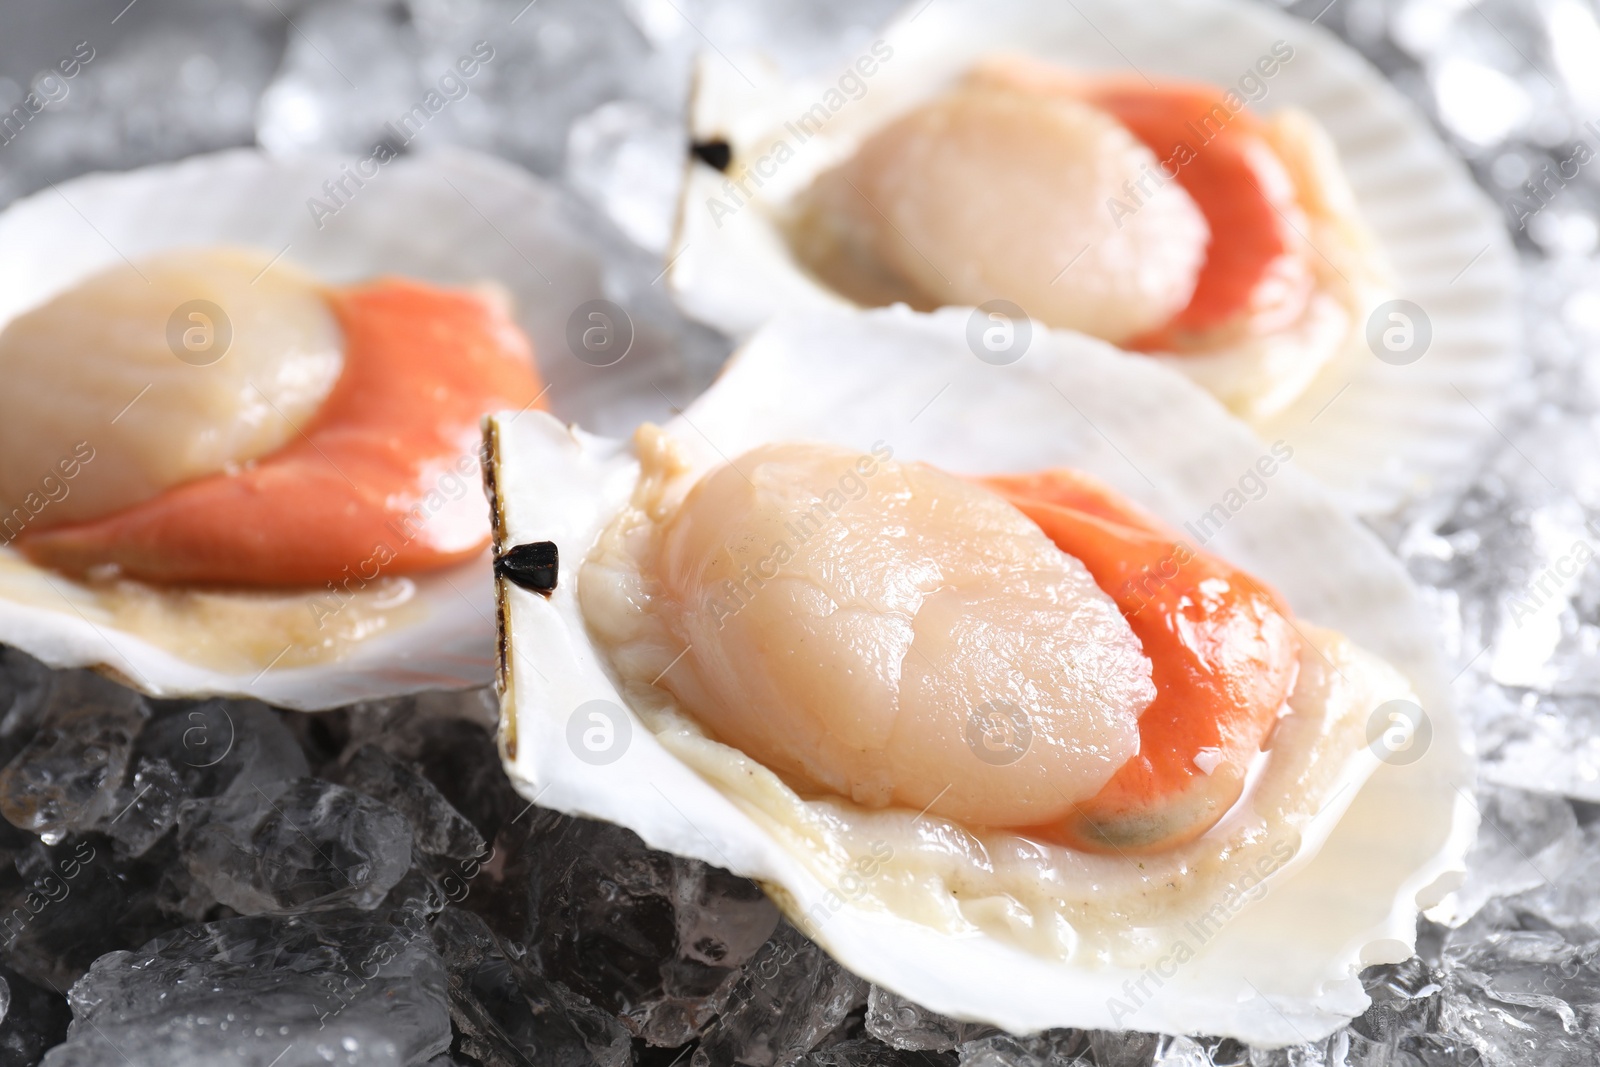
[
  {"x": 453, "y": 218},
  {"x": 1396, "y": 409},
  {"x": 1388, "y": 839}
]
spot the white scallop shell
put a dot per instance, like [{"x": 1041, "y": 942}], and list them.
[
  {"x": 1283, "y": 971},
  {"x": 1375, "y": 433},
  {"x": 451, "y": 217}
]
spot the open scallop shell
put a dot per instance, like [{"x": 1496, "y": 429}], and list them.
[
  {"x": 1373, "y": 432},
  {"x": 1285, "y": 969},
  {"x": 452, "y": 218}
]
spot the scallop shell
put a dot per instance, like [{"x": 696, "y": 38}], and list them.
[
  {"x": 1284, "y": 970},
  {"x": 451, "y": 217},
  {"x": 1375, "y": 433}
]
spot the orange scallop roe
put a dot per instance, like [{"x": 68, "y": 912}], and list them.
[
  {"x": 1224, "y": 652},
  {"x": 362, "y": 482},
  {"x": 1256, "y": 273},
  {"x": 1256, "y": 276}
]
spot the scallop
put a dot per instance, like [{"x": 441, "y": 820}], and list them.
[
  {"x": 123, "y": 274},
  {"x": 152, "y": 420},
  {"x": 891, "y": 646},
  {"x": 985, "y": 193},
  {"x": 720, "y": 647},
  {"x": 979, "y": 156}
]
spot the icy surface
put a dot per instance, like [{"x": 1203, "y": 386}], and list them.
[
  {"x": 897, "y": 1021},
  {"x": 439, "y": 831},
  {"x": 66, "y": 777},
  {"x": 300, "y": 843},
  {"x": 1055, "y": 1049},
  {"x": 866, "y": 1052},
  {"x": 789, "y": 997},
  {"x": 350, "y": 988},
  {"x": 657, "y": 939},
  {"x": 504, "y": 1008}
]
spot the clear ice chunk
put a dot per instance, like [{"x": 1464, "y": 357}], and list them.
[
  {"x": 788, "y": 998},
  {"x": 655, "y": 939},
  {"x": 1565, "y": 901},
  {"x": 222, "y": 746},
  {"x": 903, "y": 1024},
  {"x": 868, "y": 1052},
  {"x": 439, "y": 830},
  {"x": 1523, "y": 997},
  {"x": 62, "y": 905},
  {"x": 1524, "y": 840},
  {"x": 65, "y": 779},
  {"x": 347, "y": 987},
  {"x": 192, "y": 751},
  {"x": 147, "y": 807},
  {"x": 297, "y": 844},
  {"x": 347, "y": 82},
  {"x": 149, "y": 89},
  {"x": 508, "y": 1014},
  {"x": 24, "y": 689},
  {"x": 1052, "y": 1048},
  {"x": 627, "y": 160}
]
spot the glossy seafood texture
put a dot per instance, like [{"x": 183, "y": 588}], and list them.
[
  {"x": 991, "y": 191},
  {"x": 855, "y": 662},
  {"x": 129, "y": 364},
  {"x": 1226, "y": 658},
  {"x": 863, "y": 627},
  {"x": 999, "y": 741},
  {"x": 241, "y": 454},
  {"x": 1156, "y": 215},
  {"x": 250, "y": 427}
]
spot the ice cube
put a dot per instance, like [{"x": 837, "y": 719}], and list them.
[
  {"x": 507, "y": 1013},
  {"x": 1523, "y": 997},
  {"x": 440, "y": 831},
  {"x": 66, "y": 777},
  {"x": 897, "y": 1021},
  {"x": 787, "y": 999},
  {"x": 346, "y": 987},
  {"x": 297, "y": 844},
  {"x": 655, "y": 939}
]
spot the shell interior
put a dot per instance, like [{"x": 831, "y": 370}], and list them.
[
  {"x": 452, "y": 217},
  {"x": 857, "y": 377},
  {"x": 1375, "y": 432}
]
